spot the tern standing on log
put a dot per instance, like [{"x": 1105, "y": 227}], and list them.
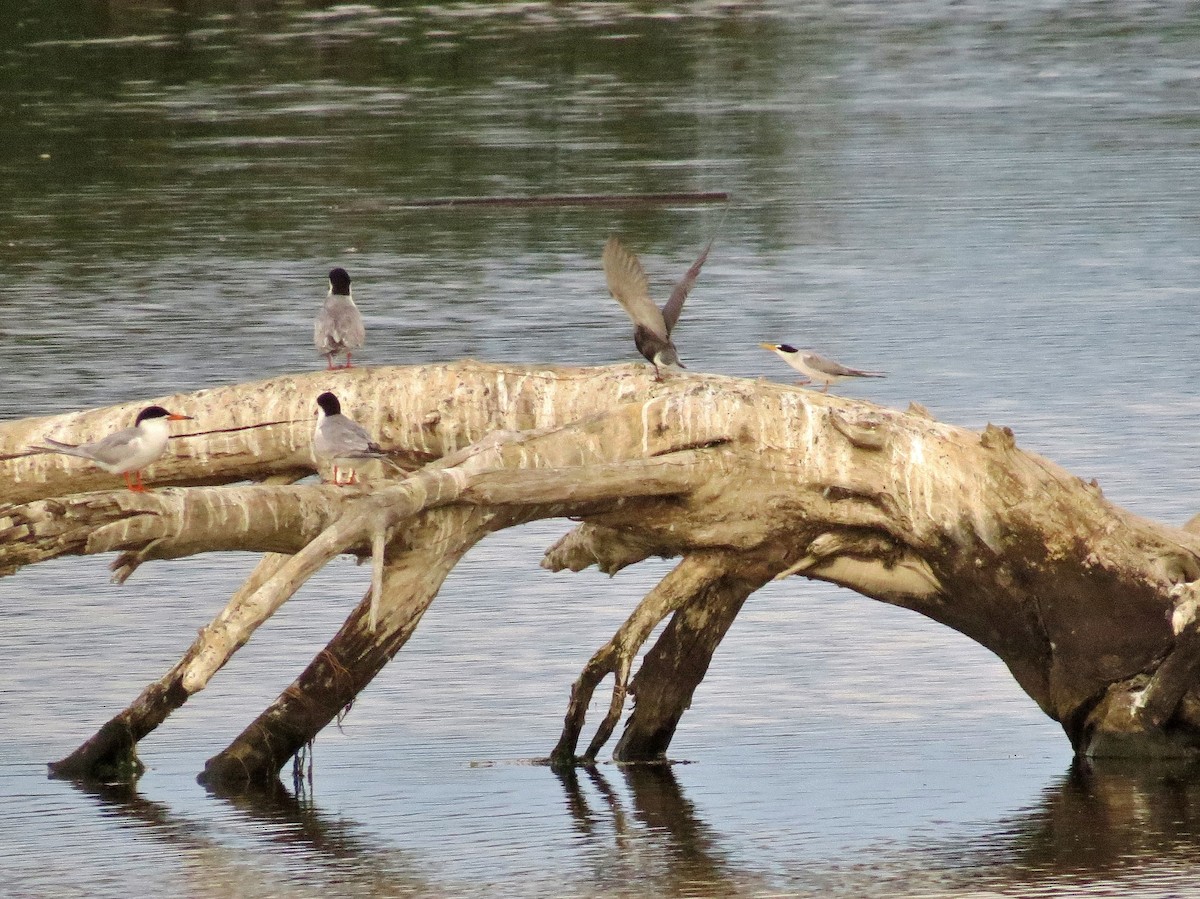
[
  {"x": 630, "y": 287},
  {"x": 816, "y": 366},
  {"x": 341, "y": 441},
  {"x": 339, "y": 326},
  {"x": 127, "y": 451}
]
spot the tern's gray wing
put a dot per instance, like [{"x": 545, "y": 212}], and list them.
[
  {"x": 115, "y": 448},
  {"x": 111, "y": 450},
  {"x": 670, "y": 312},
  {"x": 827, "y": 366},
  {"x": 339, "y": 325},
  {"x": 628, "y": 284},
  {"x": 340, "y": 437}
]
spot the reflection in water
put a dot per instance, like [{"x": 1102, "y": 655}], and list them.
[
  {"x": 313, "y": 851},
  {"x": 1101, "y": 831},
  {"x": 1111, "y": 818},
  {"x": 662, "y": 844},
  {"x": 326, "y": 847},
  {"x": 1096, "y": 826}
]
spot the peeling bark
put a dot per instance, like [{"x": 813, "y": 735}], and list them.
[{"x": 1092, "y": 608}]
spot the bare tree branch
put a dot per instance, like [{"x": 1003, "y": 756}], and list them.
[{"x": 1093, "y": 609}]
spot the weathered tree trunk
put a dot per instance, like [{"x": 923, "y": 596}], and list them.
[{"x": 1092, "y": 608}]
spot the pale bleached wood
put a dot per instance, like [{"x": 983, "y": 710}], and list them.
[{"x": 1091, "y": 607}]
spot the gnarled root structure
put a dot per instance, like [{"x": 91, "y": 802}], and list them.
[{"x": 1092, "y": 608}]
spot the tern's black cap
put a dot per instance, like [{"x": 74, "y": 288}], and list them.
[
  {"x": 339, "y": 280},
  {"x": 329, "y": 404},
  {"x": 151, "y": 412}
]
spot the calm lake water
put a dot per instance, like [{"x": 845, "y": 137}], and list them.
[{"x": 994, "y": 202}]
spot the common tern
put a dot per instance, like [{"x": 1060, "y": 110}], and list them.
[
  {"x": 628, "y": 284},
  {"x": 129, "y": 450},
  {"x": 816, "y": 366},
  {"x": 339, "y": 325},
  {"x": 339, "y": 439}
]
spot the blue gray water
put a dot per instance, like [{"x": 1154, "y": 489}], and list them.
[{"x": 994, "y": 202}]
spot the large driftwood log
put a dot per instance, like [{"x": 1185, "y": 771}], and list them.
[{"x": 1093, "y": 609}]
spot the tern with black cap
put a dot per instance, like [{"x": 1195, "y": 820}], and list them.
[
  {"x": 339, "y": 326},
  {"x": 127, "y": 451},
  {"x": 342, "y": 442},
  {"x": 817, "y": 367},
  {"x": 630, "y": 287}
]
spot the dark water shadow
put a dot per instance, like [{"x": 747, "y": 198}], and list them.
[
  {"x": 327, "y": 851},
  {"x": 1102, "y": 820},
  {"x": 1111, "y": 829},
  {"x": 658, "y": 841},
  {"x": 1098, "y": 824}
]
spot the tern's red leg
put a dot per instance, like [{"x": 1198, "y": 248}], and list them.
[
  {"x": 348, "y": 361},
  {"x": 329, "y": 362}
]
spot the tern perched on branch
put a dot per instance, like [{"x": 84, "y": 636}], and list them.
[
  {"x": 343, "y": 442},
  {"x": 339, "y": 325},
  {"x": 127, "y": 451},
  {"x": 817, "y": 367},
  {"x": 630, "y": 287}
]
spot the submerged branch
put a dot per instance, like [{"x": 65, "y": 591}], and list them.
[
  {"x": 692, "y": 575},
  {"x": 411, "y": 579}
]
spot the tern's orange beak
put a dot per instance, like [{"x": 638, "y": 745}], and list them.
[
  {"x": 174, "y": 417},
  {"x": 769, "y": 346}
]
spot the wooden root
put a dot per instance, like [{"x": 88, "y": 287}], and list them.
[
  {"x": 692, "y": 575},
  {"x": 678, "y": 661},
  {"x": 112, "y": 752},
  {"x": 411, "y": 580}
]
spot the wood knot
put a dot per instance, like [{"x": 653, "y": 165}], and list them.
[
  {"x": 864, "y": 434},
  {"x": 1000, "y": 438}
]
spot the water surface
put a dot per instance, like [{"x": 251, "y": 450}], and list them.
[{"x": 996, "y": 203}]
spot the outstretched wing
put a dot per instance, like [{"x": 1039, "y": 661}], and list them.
[
  {"x": 670, "y": 312},
  {"x": 629, "y": 286}
]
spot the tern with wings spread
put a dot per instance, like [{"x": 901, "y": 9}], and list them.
[{"x": 630, "y": 287}]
